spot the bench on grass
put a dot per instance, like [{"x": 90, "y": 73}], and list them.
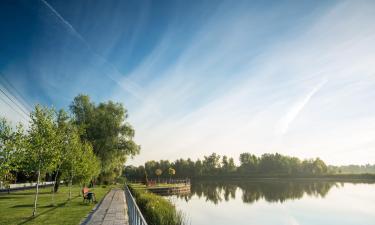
[{"x": 88, "y": 196}]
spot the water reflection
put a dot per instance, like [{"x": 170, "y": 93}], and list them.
[{"x": 271, "y": 191}]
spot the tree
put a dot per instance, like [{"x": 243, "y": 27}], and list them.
[
  {"x": 198, "y": 168},
  {"x": 158, "y": 172},
  {"x": 249, "y": 163},
  {"x": 105, "y": 127},
  {"x": 319, "y": 167},
  {"x": 150, "y": 167},
  {"x": 231, "y": 166},
  {"x": 11, "y": 144},
  {"x": 268, "y": 164},
  {"x": 211, "y": 164},
  {"x": 87, "y": 166},
  {"x": 63, "y": 132},
  {"x": 171, "y": 172},
  {"x": 41, "y": 154},
  {"x": 227, "y": 166}
]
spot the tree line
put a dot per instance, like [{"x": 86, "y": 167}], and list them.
[
  {"x": 216, "y": 165},
  {"x": 353, "y": 169},
  {"x": 90, "y": 144}
]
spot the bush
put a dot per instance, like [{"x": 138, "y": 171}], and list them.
[{"x": 156, "y": 209}]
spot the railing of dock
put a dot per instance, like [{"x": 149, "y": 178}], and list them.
[
  {"x": 162, "y": 181},
  {"x": 135, "y": 215}
]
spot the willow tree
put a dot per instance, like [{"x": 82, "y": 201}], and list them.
[
  {"x": 41, "y": 152},
  {"x": 105, "y": 127}
]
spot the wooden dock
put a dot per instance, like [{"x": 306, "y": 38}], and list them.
[{"x": 174, "y": 190}]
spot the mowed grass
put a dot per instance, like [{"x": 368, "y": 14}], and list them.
[{"x": 17, "y": 207}]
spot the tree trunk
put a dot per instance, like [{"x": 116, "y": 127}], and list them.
[
  {"x": 70, "y": 187},
  {"x": 54, "y": 186},
  {"x": 57, "y": 181},
  {"x": 37, "y": 191}
]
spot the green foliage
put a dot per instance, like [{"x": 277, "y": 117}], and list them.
[
  {"x": 158, "y": 172},
  {"x": 156, "y": 209},
  {"x": 171, "y": 171},
  {"x": 97, "y": 140},
  {"x": 87, "y": 166},
  {"x": 211, "y": 164},
  {"x": 41, "y": 151},
  {"x": 228, "y": 166},
  {"x": 352, "y": 169},
  {"x": 105, "y": 127},
  {"x": 215, "y": 165},
  {"x": 11, "y": 144},
  {"x": 249, "y": 163}
]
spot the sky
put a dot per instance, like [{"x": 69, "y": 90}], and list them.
[{"x": 294, "y": 77}]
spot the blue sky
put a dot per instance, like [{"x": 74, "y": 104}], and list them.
[{"x": 295, "y": 77}]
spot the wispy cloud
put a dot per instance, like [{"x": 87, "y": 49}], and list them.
[
  {"x": 108, "y": 68},
  {"x": 221, "y": 96},
  {"x": 297, "y": 108}
]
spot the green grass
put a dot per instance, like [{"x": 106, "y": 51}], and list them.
[
  {"x": 156, "y": 209},
  {"x": 17, "y": 207}
]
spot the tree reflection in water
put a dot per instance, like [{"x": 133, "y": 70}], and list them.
[{"x": 252, "y": 191}]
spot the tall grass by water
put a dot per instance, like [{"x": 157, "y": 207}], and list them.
[{"x": 156, "y": 209}]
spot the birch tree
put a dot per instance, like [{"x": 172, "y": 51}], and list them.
[{"x": 41, "y": 151}]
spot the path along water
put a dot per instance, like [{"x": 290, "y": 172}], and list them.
[{"x": 111, "y": 211}]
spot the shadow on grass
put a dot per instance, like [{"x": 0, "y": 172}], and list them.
[
  {"x": 41, "y": 207},
  {"x": 29, "y": 193},
  {"x": 9, "y": 197},
  {"x": 52, "y": 207},
  {"x": 22, "y": 206}
]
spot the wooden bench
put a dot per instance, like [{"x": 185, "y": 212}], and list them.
[{"x": 88, "y": 195}]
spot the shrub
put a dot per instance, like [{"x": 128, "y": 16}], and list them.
[{"x": 156, "y": 209}]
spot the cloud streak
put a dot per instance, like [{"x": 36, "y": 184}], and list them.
[
  {"x": 108, "y": 68},
  {"x": 298, "y": 107},
  {"x": 228, "y": 99}
]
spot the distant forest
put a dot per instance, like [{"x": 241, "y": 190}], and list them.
[
  {"x": 215, "y": 165},
  {"x": 353, "y": 169}
]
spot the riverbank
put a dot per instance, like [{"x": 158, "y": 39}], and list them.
[{"x": 155, "y": 209}]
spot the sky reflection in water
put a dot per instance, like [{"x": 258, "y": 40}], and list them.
[{"x": 269, "y": 203}]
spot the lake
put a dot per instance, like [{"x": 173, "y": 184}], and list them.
[{"x": 278, "y": 203}]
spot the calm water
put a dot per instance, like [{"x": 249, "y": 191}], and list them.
[{"x": 278, "y": 203}]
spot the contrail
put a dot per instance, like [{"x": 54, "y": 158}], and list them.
[
  {"x": 110, "y": 69},
  {"x": 297, "y": 108},
  {"x": 65, "y": 22}
]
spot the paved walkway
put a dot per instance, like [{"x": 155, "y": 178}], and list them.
[{"x": 112, "y": 210}]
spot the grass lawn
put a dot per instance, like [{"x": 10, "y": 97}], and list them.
[{"x": 17, "y": 207}]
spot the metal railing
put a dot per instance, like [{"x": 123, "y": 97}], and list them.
[
  {"x": 162, "y": 181},
  {"x": 135, "y": 215}
]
